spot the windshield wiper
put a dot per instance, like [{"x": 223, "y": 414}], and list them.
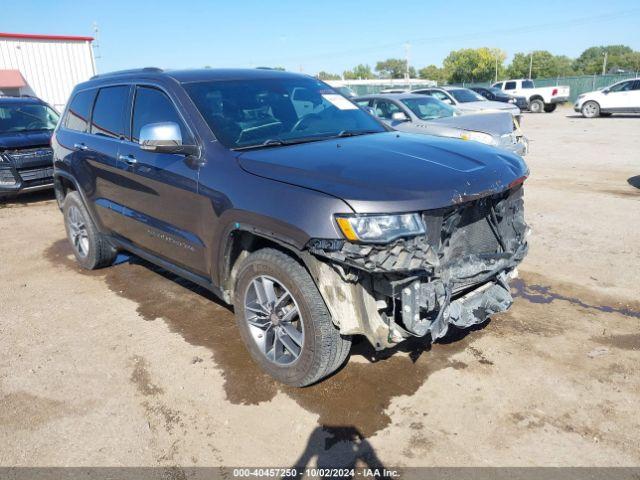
[
  {"x": 271, "y": 142},
  {"x": 354, "y": 133}
]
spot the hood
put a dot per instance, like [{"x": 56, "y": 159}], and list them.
[
  {"x": 493, "y": 123},
  {"x": 488, "y": 105},
  {"x": 13, "y": 140},
  {"x": 391, "y": 171}
]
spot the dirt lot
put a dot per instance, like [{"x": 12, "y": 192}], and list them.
[{"x": 129, "y": 366}]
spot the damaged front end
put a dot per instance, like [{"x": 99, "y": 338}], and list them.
[{"x": 457, "y": 273}]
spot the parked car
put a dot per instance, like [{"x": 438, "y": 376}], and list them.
[
  {"x": 621, "y": 97},
  {"x": 346, "y": 91},
  {"x": 394, "y": 90},
  {"x": 411, "y": 113},
  {"x": 26, "y": 163},
  {"x": 316, "y": 226},
  {"x": 497, "y": 95},
  {"x": 539, "y": 98},
  {"x": 468, "y": 101}
]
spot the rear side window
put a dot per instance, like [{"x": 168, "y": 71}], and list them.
[
  {"x": 78, "y": 113},
  {"x": 527, "y": 84},
  {"x": 511, "y": 86},
  {"x": 108, "y": 112},
  {"x": 152, "y": 106}
]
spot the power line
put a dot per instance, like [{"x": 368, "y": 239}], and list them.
[{"x": 445, "y": 38}]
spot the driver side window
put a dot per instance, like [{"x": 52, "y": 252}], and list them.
[
  {"x": 622, "y": 87},
  {"x": 152, "y": 106},
  {"x": 385, "y": 109},
  {"x": 443, "y": 97}
]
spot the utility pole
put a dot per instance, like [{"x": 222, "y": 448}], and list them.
[
  {"x": 96, "y": 47},
  {"x": 604, "y": 64},
  {"x": 530, "y": 64},
  {"x": 407, "y": 52}
]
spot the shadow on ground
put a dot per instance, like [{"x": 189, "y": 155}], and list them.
[{"x": 27, "y": 199}]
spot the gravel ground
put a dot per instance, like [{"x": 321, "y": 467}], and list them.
[{"x": 129, "y": 366}]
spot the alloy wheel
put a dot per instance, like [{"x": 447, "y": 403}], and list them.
[
  {"x": 274, "y": 320},
  {"x": 590, "y": 109},
  {"x": 78, "y": 232}
]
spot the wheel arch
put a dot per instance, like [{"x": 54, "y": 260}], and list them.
[{"x": 240, "y": 241}]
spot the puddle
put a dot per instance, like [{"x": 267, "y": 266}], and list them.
[
  {"x": 357, "y": 395},
  {"x": 623, "y": 342},
  {"x": 544, "y": 294}
]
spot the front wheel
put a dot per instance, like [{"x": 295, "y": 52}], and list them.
[
  {"x": 590, "y": 110},
  {"x": 284, "y": 321}
]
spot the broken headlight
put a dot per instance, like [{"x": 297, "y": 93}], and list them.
[
  {"x": 478, "y": 137},
  {"x": 380, "y": 228}
]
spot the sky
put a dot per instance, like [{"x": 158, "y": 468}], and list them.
[{"x": 329, "y": 35}]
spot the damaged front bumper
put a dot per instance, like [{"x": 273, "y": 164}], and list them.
[{"x": 455, "y": 274}]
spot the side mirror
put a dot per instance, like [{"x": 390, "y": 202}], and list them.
[
  {"x": 165, "y": 137},
  {"x": 369, "y": 110},
  {"x": 399, "y": 117},
  {"x": 605, "y": 91}
]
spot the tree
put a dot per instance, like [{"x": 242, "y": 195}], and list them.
[
  {"x": 431, "y": 72},
  {"x": 328, "y": 76},
  {"x": 592, "y": 59},
  {"x": 473, "y": 64},
  {"x": 543, "y": 64},
  {"x": 359, "y": 72},
  {"x": 394, "y": 68}
]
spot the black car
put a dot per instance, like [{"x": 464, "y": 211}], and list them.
[
  {"x": 497, "y": 95},
  {"x": 26, "y": 161},
  {"x": 285, "y": 199}
]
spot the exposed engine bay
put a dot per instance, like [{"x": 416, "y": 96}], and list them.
[{"x": 455, "y": 274}]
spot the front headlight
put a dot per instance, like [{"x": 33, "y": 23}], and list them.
[
  {"x": 477, "y": 137},
  {"x": 380, "y": 228},
  {"x": 513, "y": 100}
]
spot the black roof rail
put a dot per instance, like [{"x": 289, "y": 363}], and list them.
[{"x": 125, "y": 72}]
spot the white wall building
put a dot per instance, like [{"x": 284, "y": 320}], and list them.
[{"x": 49, "y": 65}]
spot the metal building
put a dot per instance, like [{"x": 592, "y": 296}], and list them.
[{"x": 47, "y": 66}]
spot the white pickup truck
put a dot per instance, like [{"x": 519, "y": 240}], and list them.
[{"x": 541, "y": 98}]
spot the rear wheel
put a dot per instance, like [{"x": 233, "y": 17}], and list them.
[
  {"x": 284, "y": 322},
  {"x": 536, "y": 106},
  {"x": 89, "y": 246},
  {"x": 590, "y": 110},
  {"x": 550, "y": 107}
]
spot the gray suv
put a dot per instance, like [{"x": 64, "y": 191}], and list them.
[{"x": 289, "y": 202}]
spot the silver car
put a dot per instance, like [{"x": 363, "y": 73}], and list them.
[
  {"x": 412, "y": 113},
  {"x": 468, "y": 101}
]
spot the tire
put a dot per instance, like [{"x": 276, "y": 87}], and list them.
[
  {"x": 590, "y": 109},
  {"x": 536, "y": 106},
  {"x": 323, "y": 350},
  {"x": 89, "y": 246},
  {"x": 550, "y": 107}
]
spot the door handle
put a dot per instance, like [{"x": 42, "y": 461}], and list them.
[
  {"x": 129, "y": 159},
  {"x": 80, "y": 146}
]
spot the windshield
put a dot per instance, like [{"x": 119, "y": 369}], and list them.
[
  {"x": 277, "y": 111},
  {"x": 464, "y": 95},
  {"x": 495, "y": 91},
  {"x": 429, "y": 108},
  {"x": 26, "y": 117}
]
